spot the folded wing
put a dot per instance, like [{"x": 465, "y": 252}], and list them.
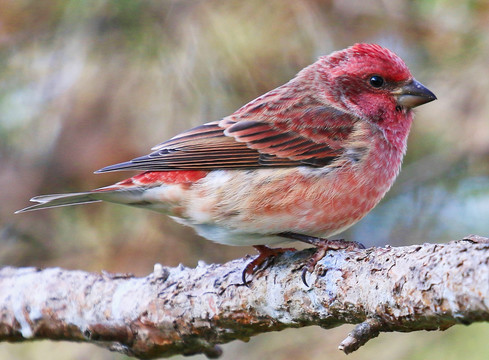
[{"x": 272, "y": 131}]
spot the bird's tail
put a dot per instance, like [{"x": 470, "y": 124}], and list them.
[
  {"x": 55, "y": 200},
  {"x": 121, "y": 195}
]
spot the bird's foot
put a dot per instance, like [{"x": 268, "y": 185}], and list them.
[
  {"x": 323, "y": 245},
  {"x": 265, "y": 257}
]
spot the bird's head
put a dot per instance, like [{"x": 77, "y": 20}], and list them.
[{"x": 374, "y": 84}]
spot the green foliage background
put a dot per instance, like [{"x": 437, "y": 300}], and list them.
[{"x": 84, "y": 84}]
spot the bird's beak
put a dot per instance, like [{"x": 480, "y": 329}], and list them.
[{"x": 413, "y": 94}]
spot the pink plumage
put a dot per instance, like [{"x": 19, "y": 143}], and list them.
[{"x": 307, "y": 159}]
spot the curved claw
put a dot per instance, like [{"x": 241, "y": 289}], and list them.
[
  {"x": 264, "y": 260},
  {"x": 303, "y": 275},
  {"x": 250, "y": 268},
  {"x": 357, "y": 245},
  {"x": 323, "y": 245},
  {"x": 243, "y": 275}
]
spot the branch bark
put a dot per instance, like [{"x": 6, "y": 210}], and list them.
[{"x": 188, "y": 311}]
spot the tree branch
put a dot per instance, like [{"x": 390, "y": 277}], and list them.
[{"x": 188, "y": 311}]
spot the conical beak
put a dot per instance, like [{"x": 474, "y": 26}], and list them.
[{"x": 413, "y": 94}]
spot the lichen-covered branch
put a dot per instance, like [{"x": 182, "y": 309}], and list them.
[{"x": 187, "y": 311}]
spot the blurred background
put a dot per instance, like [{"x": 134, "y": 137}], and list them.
[{"x": 85, "y": 84}]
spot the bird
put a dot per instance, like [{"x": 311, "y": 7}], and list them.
[{"x": 304, "y": 162}]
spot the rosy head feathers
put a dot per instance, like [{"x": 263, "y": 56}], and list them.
[{"x": 365, "y": 59}]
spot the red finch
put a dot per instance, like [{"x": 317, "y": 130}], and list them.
[{"x": 304, "y": 161}]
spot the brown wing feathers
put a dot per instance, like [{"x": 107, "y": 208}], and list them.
[{"x": 269, "y": 141}]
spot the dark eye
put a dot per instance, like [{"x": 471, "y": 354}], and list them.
[{"x": 376, "y": 81}]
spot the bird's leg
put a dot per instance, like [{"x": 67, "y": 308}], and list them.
[
  {"x": 323, "y": 245},
  {"x": 263, "y": 260}
]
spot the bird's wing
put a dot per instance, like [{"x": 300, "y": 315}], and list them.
[{"x": 268, "y": 132}]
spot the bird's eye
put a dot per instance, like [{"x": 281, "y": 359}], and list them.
[{"x": 376, "y": 81}]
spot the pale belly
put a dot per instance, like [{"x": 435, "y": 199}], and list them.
[{"x": 250, "y": 207}]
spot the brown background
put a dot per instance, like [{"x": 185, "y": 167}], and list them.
[{"x": 84, "y": 84}]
